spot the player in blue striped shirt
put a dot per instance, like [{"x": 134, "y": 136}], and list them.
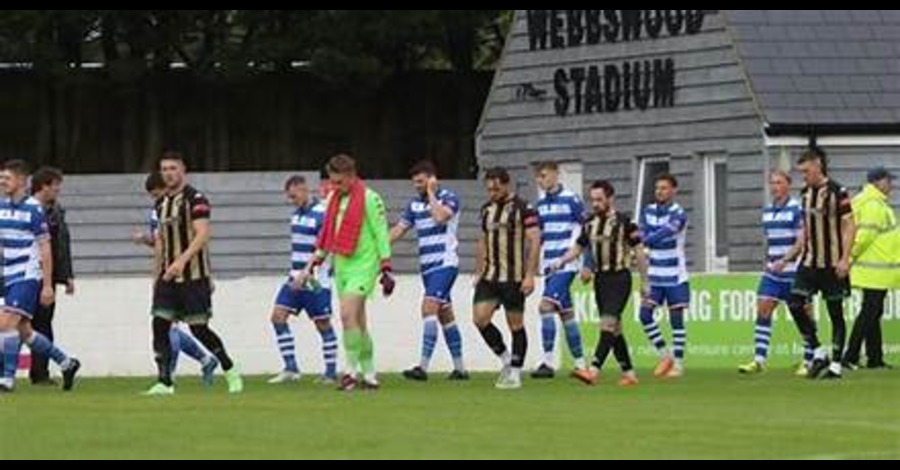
[
  {"x": 313, "y": 296},
  {"x": 434, "y": 215},
  {"x": 782, "y": 222},
  {"x": 664, "y": 227},
  {"x": 156, "y": 188},
  {"x": 562, "y": 215},
  {"x": 28, "y": 276}
]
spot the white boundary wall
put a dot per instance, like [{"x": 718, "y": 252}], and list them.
[{"x": 107, "y": 325}]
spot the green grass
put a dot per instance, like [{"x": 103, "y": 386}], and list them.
[{"x": 710, "y": 414}]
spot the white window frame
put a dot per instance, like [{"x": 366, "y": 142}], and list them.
[
  {"x": 834, "y": 141},
  {"x": 714, "y": 264},
  {"x": 571, "y": 177},
  {"x": 639, "y": 201}
]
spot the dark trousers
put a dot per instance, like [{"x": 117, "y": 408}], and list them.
[
  {"x": 43, "y": 324},
  {"x": 868, "y": 329}
]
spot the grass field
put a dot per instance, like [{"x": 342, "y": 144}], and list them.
[{"x": 710, "y": 414}]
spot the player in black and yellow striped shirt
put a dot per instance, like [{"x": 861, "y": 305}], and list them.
[
  {"x": 507, "y": 262},
  {"x": 614, "y": 242},
  {"x": 183, "y": 289},
  {"x": 827, "y": 243}
]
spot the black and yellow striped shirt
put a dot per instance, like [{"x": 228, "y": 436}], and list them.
[
  {"x": 825, "y": 209},
  {"x": 504, "y": 226},
  {"x": 177, "y": 214},
  {"x": 611, "y": 239}
]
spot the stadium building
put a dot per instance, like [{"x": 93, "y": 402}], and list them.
[{"x": 717, "y": 97}]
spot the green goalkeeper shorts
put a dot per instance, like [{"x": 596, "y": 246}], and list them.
[{"x": 359, "y": 283}]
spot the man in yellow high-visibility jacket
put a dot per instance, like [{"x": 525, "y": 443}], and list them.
[{"x": 876, "y": 265}]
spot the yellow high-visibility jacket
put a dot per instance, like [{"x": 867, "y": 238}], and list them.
[{"x": 876, "y": 252}]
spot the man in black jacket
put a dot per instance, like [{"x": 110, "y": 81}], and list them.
[{"x": 46, "y": 184}]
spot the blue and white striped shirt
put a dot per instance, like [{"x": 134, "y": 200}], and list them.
[
  {"x": 438, "y": 243},
  {"x": 664, "y": 228},
  {"x": 306, "y": 224},
  {"x": 22, "y": 228},
  {"x": 782, "y": 226},
  {"x": 562, "y": 215},
  {"x": 152, "y": 222}
]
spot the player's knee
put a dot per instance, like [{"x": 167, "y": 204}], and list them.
[
  {"x": 548, "y": 308},
  {"x": 446, "y": 316},
  {"x": 836, "y": 311},
  {"x": 430, "y": 308},
  {"x": 483, "y": 314},
  {"x": 765, "y": 309},
  {"x": 797, "y": 305},
  {"x": 676, "y": 319},
  {"x": 515, "y": 322},
  {"x": 481, "y": 322},
  {"x": 161, "y": 326},
  {"x": 610, "y": 325},
  {"x": 195, "y": 329},
  {"x": 199, "y": 331},
  {"x": 348, "y": 320},
  {"x": 25, "y": 330},
  {"x": 567, "y": 316},
  {"x": 323, "y": 325},
  {"x": 279, "y": 317}
]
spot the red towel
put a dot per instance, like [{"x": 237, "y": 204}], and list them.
[{"x": 344, "y": 242}]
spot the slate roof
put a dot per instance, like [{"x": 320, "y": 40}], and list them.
[{"x": 822, "y": 68}]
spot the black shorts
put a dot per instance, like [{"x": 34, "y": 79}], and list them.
[
  {"x": 507, "y": 294},
  {"x": 810, "y": 282},
  {"x": 188, "y": 302},
  {"x": 613, "y": 291}
]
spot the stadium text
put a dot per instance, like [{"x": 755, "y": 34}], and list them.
[{"x": 609, "y": 88}]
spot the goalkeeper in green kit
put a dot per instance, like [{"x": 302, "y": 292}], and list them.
[{"x": 356, "y": 234}]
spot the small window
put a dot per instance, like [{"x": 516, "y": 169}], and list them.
[
  {"x": 716, "y": 208},
  {"x": 650, "y": 168}
]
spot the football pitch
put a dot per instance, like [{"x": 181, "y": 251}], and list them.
[{"x": 707, "y": 415}]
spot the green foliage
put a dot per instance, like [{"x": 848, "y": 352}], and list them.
[{"x": 331, "y": 43}]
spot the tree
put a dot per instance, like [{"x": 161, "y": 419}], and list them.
[
  {"x": 368, "y": 41},
  {"x": 354, "y": 51}
]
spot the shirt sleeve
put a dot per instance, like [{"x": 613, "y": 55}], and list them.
[
  {"x": 530, "y": 217},
  {"x": 845, "y": 203},
  {"x": 201, "y": 209},
  {"x": 584, "y": 240},
  {"x": 633, "y": 234},
  {"x": 376, "y": 215},
  {"x": 407, "y": 219},
  {"x": 39, "y": 226},
  {"x": 450, "y": 201},
  {"x": 679, "y": 221},
  {"x": 153, "y": 222}
]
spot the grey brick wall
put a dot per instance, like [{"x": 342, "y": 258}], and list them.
[{"x": 250, "y": 222}]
